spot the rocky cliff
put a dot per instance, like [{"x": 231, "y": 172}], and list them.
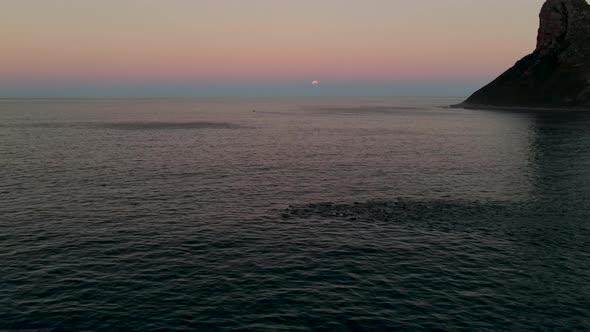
[{"x": 557, "y": 73}]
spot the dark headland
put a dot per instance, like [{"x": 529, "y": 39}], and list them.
[{"x": 556, "y": 75}]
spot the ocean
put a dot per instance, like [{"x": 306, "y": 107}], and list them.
[{"x": 292, "y": 214}]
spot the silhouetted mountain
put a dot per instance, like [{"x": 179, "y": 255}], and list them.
[{"x": 557, "y": 73}]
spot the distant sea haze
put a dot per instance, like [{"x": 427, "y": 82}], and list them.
[
  {"x": 120, "y": 88},
  {"x": 292, "y": 214}
]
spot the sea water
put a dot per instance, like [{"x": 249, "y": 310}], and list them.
[{"x": 291, "y": 214}]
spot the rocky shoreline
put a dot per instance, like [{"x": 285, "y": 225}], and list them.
[{"x": 520, "y": 108}]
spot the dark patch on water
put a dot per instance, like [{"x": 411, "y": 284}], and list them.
[
  {"x": 398, "y": 211},
  {"x": 167, "y": 125},
  {"x": 443, "y": 216},
  {"x": 127, "y": 125}
]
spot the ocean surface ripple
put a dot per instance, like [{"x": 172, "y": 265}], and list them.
[{"x": 317, "y": 214}]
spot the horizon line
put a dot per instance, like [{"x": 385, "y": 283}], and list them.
[{"x": 225, "y": 96}]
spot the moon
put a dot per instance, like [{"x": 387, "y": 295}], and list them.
[{"x": 314, "y": 83}]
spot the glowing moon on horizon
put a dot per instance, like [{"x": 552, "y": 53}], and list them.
[{"x": 315, "y": 83}]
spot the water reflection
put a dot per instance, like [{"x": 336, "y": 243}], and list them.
[
  {"x": 561, "y": 155},
  {"x": 549, "y": 234}
]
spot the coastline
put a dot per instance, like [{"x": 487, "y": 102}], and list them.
[{"x": 520, "y": 108}]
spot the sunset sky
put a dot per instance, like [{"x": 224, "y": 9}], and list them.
[{"x": 259, "y": 47}]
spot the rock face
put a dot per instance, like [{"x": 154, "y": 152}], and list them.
[{"x": 557, "y": 73}]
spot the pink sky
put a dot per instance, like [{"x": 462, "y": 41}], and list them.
[{"x": 217, "y": 40}]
